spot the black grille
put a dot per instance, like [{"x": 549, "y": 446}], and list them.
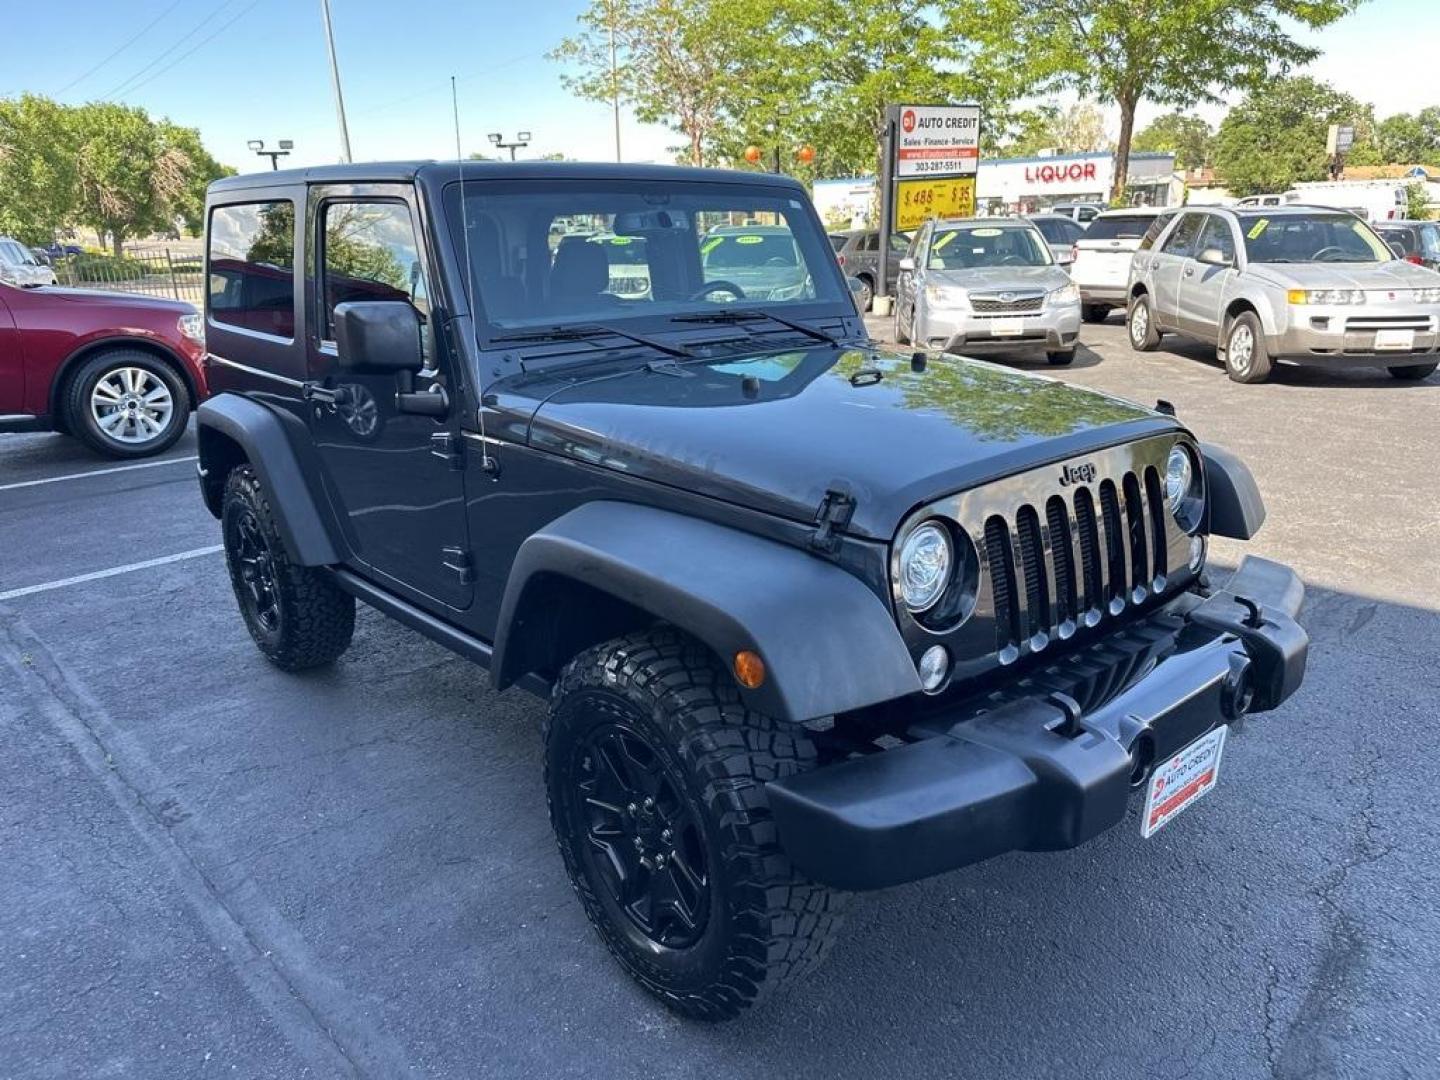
[
  {"x": 983, "y": 305},
  {"x": 1037, "y": 587}
]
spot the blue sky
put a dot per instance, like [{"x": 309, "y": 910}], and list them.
[{"x": 256, "y": 69}]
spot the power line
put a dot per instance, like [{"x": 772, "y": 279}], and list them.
[
  {"x": 138, "y": 35},
  {"x": 126, "y": 86},
  {"x": 198, "y": 45}
]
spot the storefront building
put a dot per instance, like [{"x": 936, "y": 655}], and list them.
[{"x": 1022, "y": 186}]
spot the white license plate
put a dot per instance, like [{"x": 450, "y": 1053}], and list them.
[
  {"x": 1181, "y": 780},
  {"x": 1007, "y": 327},
  {"x": 1394, "y": 339}
]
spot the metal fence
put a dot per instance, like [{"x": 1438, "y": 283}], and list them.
[{"x": 156, "y": 272}]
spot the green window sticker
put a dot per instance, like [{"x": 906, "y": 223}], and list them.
[
  {"x": 711, "y": 244},
  {"x": 1257, "y": 229},
  {"x": 749, "y": 240},
  {"x": 941, "y": 241}
]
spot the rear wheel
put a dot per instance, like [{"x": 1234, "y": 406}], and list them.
[
  {"x": 1246, "y": 358},
  {"x": 1094, "y": 313},
  {"x": 1140, "y": 325},
  {"x": 126, "y": 403},
  {"x": 1411, "y": 372},
  {"x": 867, "y": 293},
  {"x": 1061, "y": 358},
  {"x": 297, "y": 615},
  {"x": 655, "y": 773}
]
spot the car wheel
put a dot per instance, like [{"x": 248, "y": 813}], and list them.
[
  {"x": 1140, "y": 325},
  {"x": 1246, "y": 358},
  {"x": 901, "y": 337},
  {"x": 1411, "y": 372},
  {"x": 1061, "y": 358},
  {"x": 1094, "y": 313},
  {"x": 297, "y": 615},
  {"x": 867, "y": 293},
  {"x": 127, "y": 403},
  {"x": 655, "y": 774}
]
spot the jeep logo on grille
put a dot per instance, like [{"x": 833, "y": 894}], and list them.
[{"x": 1077, "y": 474}]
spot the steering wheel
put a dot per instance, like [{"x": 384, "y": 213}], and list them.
[
  {"x": 718, "y": 286},
  {"x": 1012, "y": 260},
  {"x": 1333, "y": 249}
]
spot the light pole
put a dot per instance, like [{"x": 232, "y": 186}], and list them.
[
  {"x": 258, "y": 145},
  {"x": 335, "y": 82},
  {"x": 521, "y": 139}
]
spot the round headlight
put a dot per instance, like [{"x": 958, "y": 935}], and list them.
[
  {"x": 1179, "y": 478},
  {"x": 925, "y": 561}
]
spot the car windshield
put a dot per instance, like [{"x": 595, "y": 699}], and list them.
[
  {"x": 1311, "y": 237},
  {"x": 570, "y": 252},
  {"x": 970, "y": 247},
  {"x": 1119, "y": 227}
]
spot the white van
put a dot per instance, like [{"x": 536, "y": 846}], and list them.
[{"x": 1370, "y": 200}]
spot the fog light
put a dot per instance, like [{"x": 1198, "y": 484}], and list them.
[
  {"x": 1197, "y": 553},
  {"x": 933, "y": 667}
]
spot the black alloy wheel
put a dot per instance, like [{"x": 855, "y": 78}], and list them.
[{"x": 255, "y": 566}]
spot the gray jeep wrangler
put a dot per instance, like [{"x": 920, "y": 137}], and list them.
[{"x": 812, "y": 616}]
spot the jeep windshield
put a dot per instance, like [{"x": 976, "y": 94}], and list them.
[
  {"x": 568, "y": 253},
  {"x": 1322, "y": 236}
]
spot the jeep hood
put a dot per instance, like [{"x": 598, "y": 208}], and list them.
[{"x": 774, "y": 432}]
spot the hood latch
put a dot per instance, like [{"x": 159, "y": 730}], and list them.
[{"x": 831, "y": 519}]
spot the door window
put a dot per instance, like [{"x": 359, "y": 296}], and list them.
[
  {"x": 1181, "y": 242},
  {"x": 370, "y": 253},
  {"x": 1430, "y": 241},
  {"x": 1217, "y": 235},
  {"x": 1153, "y": 232},
  {"x": 252, "y": 267}
]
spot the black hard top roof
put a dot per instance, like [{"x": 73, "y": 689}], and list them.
[{"x": 406, "y": 171}]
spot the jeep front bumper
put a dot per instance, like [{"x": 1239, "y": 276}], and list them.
[{"x": 1035, "y": 773}]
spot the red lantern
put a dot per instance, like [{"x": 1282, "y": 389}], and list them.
[
  {"x": 752, "y": 154},
  {"x": 806, "y": 154}
]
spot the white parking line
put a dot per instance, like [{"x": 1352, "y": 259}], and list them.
[
  {"x": 96, "y": 575},
  {"x": 99, "y": 472}
]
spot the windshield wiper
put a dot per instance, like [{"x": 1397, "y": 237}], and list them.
[
  {"x": 735, "y": 315},
  {"x": 586, "y": 331}
]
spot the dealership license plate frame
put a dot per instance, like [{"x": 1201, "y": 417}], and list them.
[
  {"x": 1399, "y": 340},
  {"x": 1007, "y": 327},
  {"x": 1182, "y": 780}
]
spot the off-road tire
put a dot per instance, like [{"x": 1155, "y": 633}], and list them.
[
  {"x": 1061, "y": 358},
  {"x": 766, "y": 924},
  {"x": 1095, "y": 313},
  {"x": 1147, "y": 340},
  {"x": 79, "y": 421},
  {"x": 1256, "y": 367},
  {"x": 315, "y": 618},
  {"x": 1412, "y": 372}
]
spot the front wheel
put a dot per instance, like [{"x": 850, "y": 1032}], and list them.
[
  {"x": 127, "y": 403},
  {"x": 298, "y": 617},
  {"x": 901, "y": 337},
  {"x": 655, "y": 773},
  {"x": 1246, "y": 358},
  {"x": 1061, "y": 358},
  {"x": 1140, "y": 325},
  {"x": 1412, "y": 372}
]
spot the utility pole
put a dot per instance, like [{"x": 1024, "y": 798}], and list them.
[
  {"x": 335, "y": 81},
  {"x": 614, "y": 81}
]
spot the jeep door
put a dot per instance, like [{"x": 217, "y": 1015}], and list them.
[
  {"x": 1202, "y": 285},
  {"x": 388, "y": 471},
  {"x": 1167, "y": 265}
]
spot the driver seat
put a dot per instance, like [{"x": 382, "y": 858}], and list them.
[{"x": 580, "y": 276}]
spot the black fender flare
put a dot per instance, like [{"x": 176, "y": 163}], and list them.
[
  {"x": 829, "y": 644},
  {"x": 1233, "y": 502},
  {"x": 263, "y": 437}
]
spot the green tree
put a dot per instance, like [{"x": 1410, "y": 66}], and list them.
[
  {"x": 1129, "y": 51},
  {"x": 37, "y": 169},
  {"x": 1410, "y": 138},
  {"x": 1276, "y": 136},
  {"x": 1188, "y": 137},
  {"x": 1417, "y": 202}
]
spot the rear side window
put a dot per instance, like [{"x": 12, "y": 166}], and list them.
[
  {"x": 1152, "y": 233},
  {"x": 252, "y": 267},
  {"x": 1120, "y": 227},
  {"x": 838, "y": 241},
  {"x": 1182, "y": 240}
]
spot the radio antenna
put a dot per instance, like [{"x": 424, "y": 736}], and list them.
[{"x": 487, "y": 463}]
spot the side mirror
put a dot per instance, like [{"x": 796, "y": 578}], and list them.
[
  {"x": 377, "y": 337},
  {"x": 907, "y": 263},
  {"x": 1213, "y": 257}
]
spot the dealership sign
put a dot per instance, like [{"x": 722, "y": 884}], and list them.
[{"x": 937, "y": 140}]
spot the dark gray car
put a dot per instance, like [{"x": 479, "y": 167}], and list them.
[{"x": 858, "y": 251}]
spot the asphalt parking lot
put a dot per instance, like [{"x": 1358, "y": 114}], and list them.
[{"x": 211, "y": 867}]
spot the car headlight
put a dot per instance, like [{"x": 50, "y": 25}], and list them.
[
  {"x": 1427, "y": 296},
  {"x": 192, "y": 326},
  {"x": 1326, "y": 296},
  {"x": 946, "y": 296},
  {"x": 1066, "y": 294},
  {"x": 925, "y": 562},
  {"x": 1183, "y": 493}
]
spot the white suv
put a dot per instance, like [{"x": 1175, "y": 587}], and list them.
[
  {"x": 1101, "y": 264},
  {"x": 18, "y": 266}
]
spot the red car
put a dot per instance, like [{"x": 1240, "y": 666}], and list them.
[{"x": 120, "y": 372}]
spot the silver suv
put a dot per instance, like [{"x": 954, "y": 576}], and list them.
[{"x": 1302, "y": 284}]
